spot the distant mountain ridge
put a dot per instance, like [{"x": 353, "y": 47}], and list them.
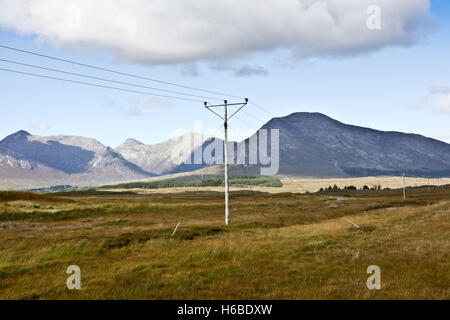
[
  {"x": 311, "y": 145},
  {"x": 165, "y": 158},
  {"x": 59, "y": 159}
]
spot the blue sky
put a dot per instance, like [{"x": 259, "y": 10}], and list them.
[{"x": 386, "y": 89}]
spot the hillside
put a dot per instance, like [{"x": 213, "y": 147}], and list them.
[
  {"x": 315, "y": 145},
  {"x": 172, "y": 156},
  {"x": 30, "y": 160}
]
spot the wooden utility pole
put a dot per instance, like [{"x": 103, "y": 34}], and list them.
[
  {"x": 225, "y": 119},
  {"x": 404, "y": 187},
  {"x": 227, "y": 188}
]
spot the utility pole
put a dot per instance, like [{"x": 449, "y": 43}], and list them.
[
  {"x": 404, "y": 187},
  {"x": 227, "y": 187},
  {"x": 225, "y": 119}
]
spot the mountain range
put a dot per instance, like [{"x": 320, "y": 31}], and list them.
[
  {"x": 32, "y": 161},
  {"x": 310, "y": 145},
  {"x": 162, "y": 158}
]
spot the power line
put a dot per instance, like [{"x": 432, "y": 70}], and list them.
[
  {"x": 245, "y": 121},
  {"x": 118, "y": 72},
  {"x": 104, "y": 79},
  {"x": 252, "y": 116},
  {"x": 97, "y": 85},
  {"x": 262, "y": 109}
]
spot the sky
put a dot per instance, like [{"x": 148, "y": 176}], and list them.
[{"x": 287, "y": 56}]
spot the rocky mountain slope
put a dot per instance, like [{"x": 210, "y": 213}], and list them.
[
  {"x": 171, "y": 156},
  {"x": 66, "y": 159},
  {"x": 315, "y": 145}
]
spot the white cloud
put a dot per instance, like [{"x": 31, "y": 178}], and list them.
[
  {"x": 247, "y": 71},
  {"x": 190, "y": 70},
  {"x": 41, "y": 126},
  {"x": 185, "y": 31},
  {"x": 442, "y": 104},
  {"x": 437, "y": 100},
  {"x": 441, "y": 89}
]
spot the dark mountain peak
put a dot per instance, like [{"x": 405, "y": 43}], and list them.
[
  {"x": 23, "y": 132},
  {"x": 18, "y": 138},
  {"x": 310, "y": 117},
  {"x": 310, "y": 120},
  {"x": 18, "y": 135},
  {"x": 307, "y": 115}
]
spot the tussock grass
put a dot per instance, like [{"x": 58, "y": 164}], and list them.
[
  {"x": 279, "y": 246},
  {"x": 28, "y": 196}
]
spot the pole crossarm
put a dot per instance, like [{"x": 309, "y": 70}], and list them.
[
  {"x": 241, "y": 104},
  {"x": 228, "y": 104},
  {"x": 207, "y": 107}
]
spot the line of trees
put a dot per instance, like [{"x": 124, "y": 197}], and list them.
[
  {"x": 336, "y": 188},
  {"x": 235, "y": 181}
]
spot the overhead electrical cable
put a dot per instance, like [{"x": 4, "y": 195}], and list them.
[
  {"x": 96, "y": 85},
  {"x": 118, "y": 72},
  {"x": 104, "y": 79}
]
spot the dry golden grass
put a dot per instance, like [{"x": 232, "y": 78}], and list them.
[
  {"x": 301, "y": 185},
  {"x": 313, "y": 185},
  {"x": 279, "y": 246}
]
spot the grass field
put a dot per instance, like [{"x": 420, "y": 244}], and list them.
[
  {"x": 290, "y": 184},
  {"x": 279, "y": 246}
]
